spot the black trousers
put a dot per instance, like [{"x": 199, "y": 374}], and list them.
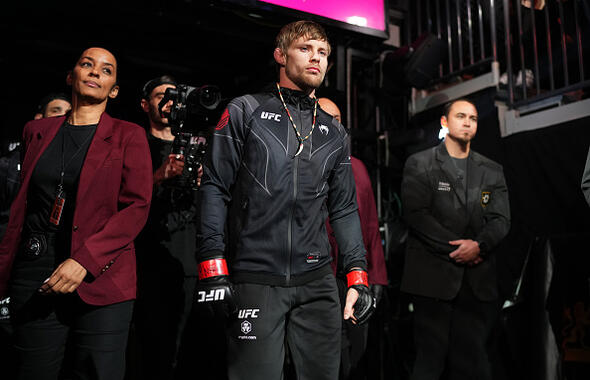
[
  {"x": 306, "y": 319},
  {"x": 60, "y": 336},
  {"x": 161, "y": 313},
  {"x": 95, "y": 337},
  {"x": 453, "y": 334}
]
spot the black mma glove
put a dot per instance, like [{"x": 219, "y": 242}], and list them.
[
  {"x": 365, "y": 304},
  {"x": 214, "y": 289},
  {"x": 377, "y": 291}
]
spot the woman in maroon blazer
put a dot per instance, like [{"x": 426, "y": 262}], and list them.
[{"x": 67, "y": 258}]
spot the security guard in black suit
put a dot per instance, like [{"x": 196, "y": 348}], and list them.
[{"x": 456, "y": 205}]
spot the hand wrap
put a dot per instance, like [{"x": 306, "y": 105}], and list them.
[
  {"x": 214, "y": 289},
  {"x": 366, "y": 303}
]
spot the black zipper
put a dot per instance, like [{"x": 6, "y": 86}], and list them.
[{"x": 295, "y": 186}]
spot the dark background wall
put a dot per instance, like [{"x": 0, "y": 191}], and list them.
[
  {"x": 222, "y": 43},
  {"x": 227, "y": 43}
]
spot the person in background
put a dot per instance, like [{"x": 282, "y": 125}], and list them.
[
  {"x": 55, "y": 104},
  {"x": 354, "y": 338},
  {"x": 166, "y": 262},
  {"x": 455, "y": 203}
]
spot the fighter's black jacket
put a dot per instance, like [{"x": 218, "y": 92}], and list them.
[{"x": 276, "y": 202}]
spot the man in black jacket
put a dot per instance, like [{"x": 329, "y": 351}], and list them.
[
  {"x": 279, "y": 166},
  {"x": 456, "y": 205}
]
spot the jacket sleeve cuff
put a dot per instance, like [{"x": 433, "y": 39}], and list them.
[
  {"x": 356, "y": 264},
  {"x": 215, "y": 254},
  {"x": 483, "y": 248},
  {"x": 84, "y": 258}
]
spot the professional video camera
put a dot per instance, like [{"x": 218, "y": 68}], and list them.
[{"x": 190, "y": 118}]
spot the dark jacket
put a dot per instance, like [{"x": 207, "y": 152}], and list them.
[
  {"x": 437, "y": 211},
  {"x": 112, "y": 203},
  {"x": 166, "y": 246},
  {"x": 279, "y": 202}
]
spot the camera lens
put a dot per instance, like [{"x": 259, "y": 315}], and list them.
[{"x": 209, "y": 97}]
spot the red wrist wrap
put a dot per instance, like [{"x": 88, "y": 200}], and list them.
[
  {"x": 212, "y": 268},
  {"x": 357, "y": 277}
]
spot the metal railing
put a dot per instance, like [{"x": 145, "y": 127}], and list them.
[
  {"x": 552, "y": 49},
  {"x": 465, "y": 26},
  {"x": 543, "y": 49}
]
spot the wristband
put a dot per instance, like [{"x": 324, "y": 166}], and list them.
[
  {"x": 212, "y": 268},
  {"x": 357, "y": 277}
]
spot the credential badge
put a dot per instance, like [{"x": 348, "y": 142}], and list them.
[{"x": 444, "y": 186}]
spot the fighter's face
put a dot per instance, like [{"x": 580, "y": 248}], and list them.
[
  {"x": 95, "y": 75},
  {"x": 153, "y": 103},
  {"x": 304, "y": 63},
  {"x": 57, "y": 107},
  {"x": 461, "y": 122}
]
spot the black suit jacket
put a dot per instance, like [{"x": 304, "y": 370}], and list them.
[{"x": 437, "y": 210}]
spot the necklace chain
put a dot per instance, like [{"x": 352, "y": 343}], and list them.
[{"x": 315, "y": 108}]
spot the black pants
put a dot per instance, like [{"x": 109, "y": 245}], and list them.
[
  {"x": 305, "y": 318},
  {"x": 452, "y": 333},
  {"x": 96, "y": 338},
  {"x": 161, "y": 314}
]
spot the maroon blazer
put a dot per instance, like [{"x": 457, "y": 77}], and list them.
[
  {"x": 112, "y": 204},
  {"x": 367, "y": 209}
]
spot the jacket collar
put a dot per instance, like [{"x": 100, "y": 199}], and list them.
[
  {"x": 97, "y": 151},
  {"x": 442, "y": 154},
  {"x": 297, "y": 98},
  {"x": 104, "y": 128}
]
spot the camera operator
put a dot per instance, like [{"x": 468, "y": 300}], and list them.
[{"x": 167, "y": 269}]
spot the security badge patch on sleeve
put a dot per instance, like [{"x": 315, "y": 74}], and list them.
[{"x": 485, "y": 198}]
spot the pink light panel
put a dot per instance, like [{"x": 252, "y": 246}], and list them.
[{"x": 368, "y": 13}]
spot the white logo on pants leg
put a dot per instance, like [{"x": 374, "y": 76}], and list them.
[
  {"x": 246, "y": 327},
  {"x": 245, "y": 313}
]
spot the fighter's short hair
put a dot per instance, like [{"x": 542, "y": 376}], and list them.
[{"x": 304, "y": 28}]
